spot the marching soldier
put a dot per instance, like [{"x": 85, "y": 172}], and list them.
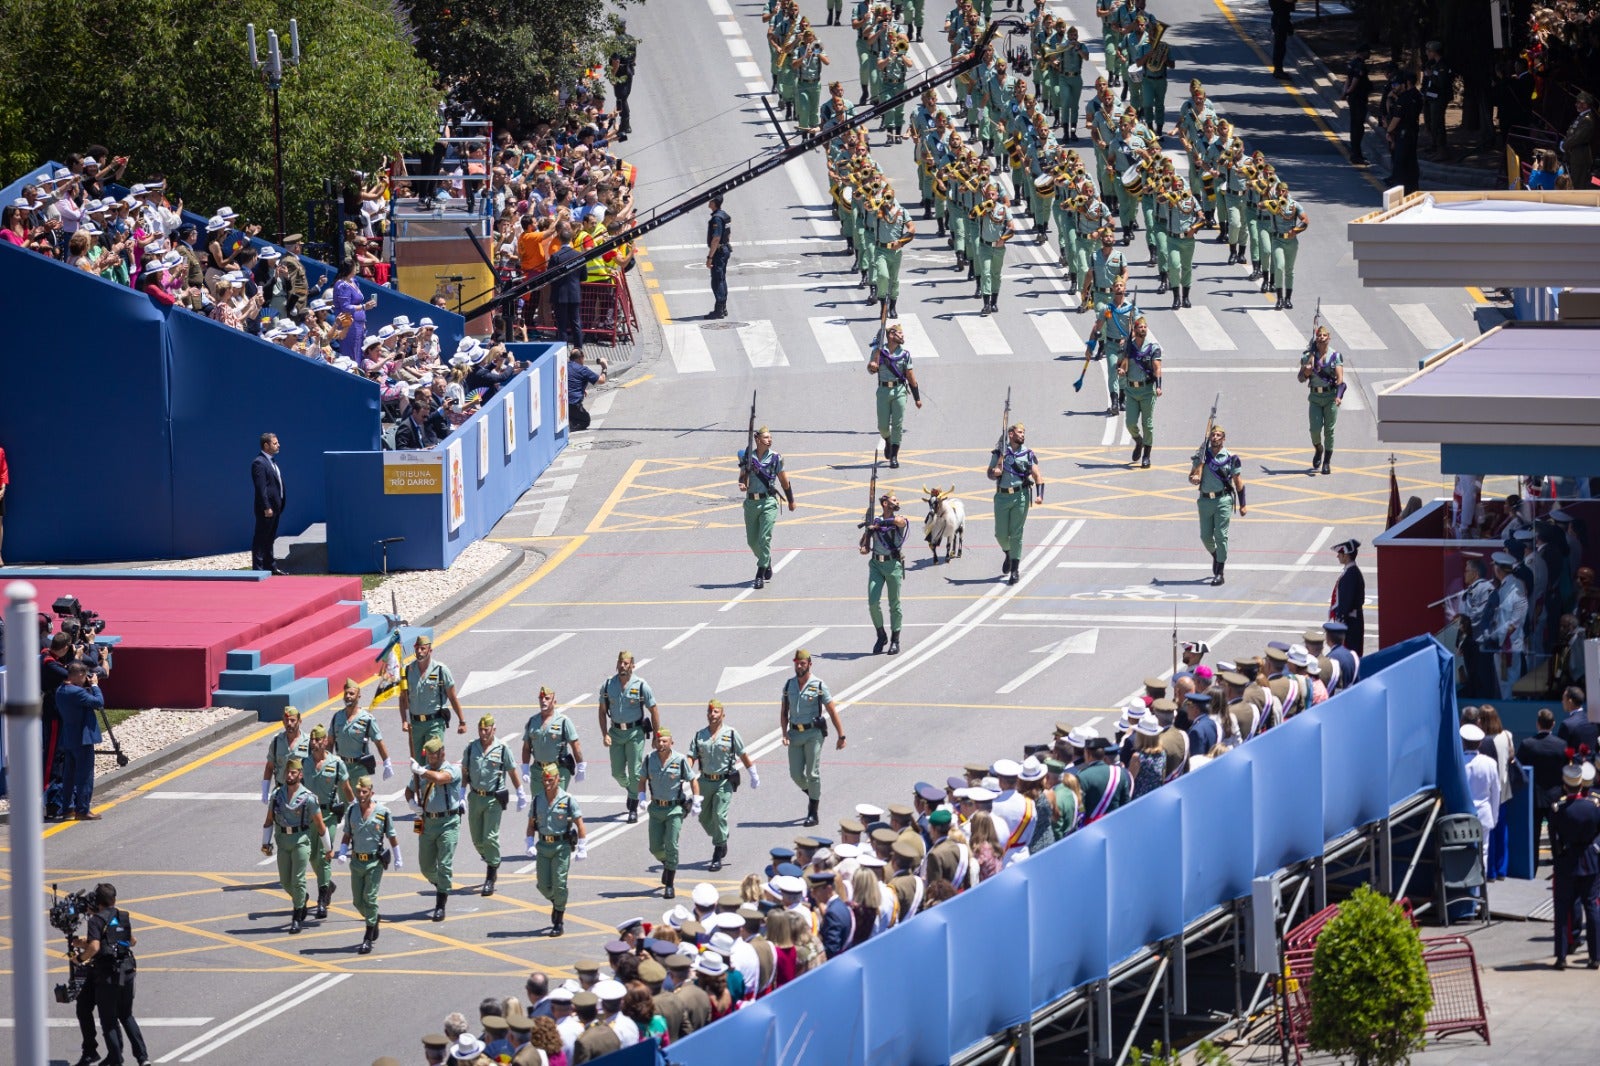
[
  {"x": 883, "y": 539},
  {"x": 485, "y": 765},
  {"x": 1113, "y": 326},
  {"x": 672, "y": 780},
  {"x": 1093, "y": 219},
  {"x": 760, "y": 477},
  {"x": 289, "y": 744},
  {"x": 1156, "y": 55},
  {"x": 1288, "y": 222},
  {"x": 326, "y": 777},
  {"x": 1107, "y": 266},
  {"x": 717, "y": 751},
  {"x": 894, "y": 230},
  {"x": 802, "y": 726},
  {"x": 993, "y": 219},
  {"x": 293, "y": 827},
  {"x": 896, "y": 380},
  {"x": 429, "y": 688},
  {"x": 892, "y": 70},
  {"x": 556, "y": 836},
  {"x": 1322, "y": 369},
  {"x": 437, "y": 785},
  {"x": 1216, "y": 471},
  {"x": 551, "y": 738},
  {"x": 1191, "y": 125},
  {"x": 1072, "y": 59},
  {"x": 1018, "y": 480},
  {"x": 1184, "y": 220},
  {"x": 1140, "y": 367},
  {"x": 624, "y": 699},
  {"x": 366, "y": 825},
  {"x": 351, "y": 730},
  {"x": 784, "y": 35},
  {"x": 1236, "y": 175},
  {"x": 808, "y": 64}
]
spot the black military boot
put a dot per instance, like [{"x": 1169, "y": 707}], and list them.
[
  {"x": 1186, "y": 302},
  {"x": 766, "y": 572},
  {"x": 1005, "y": 567},
  {"x": 557, "y": 922},
  {"x": 1016, "y": 572},
  {"x": 1221, "y": 566},
  {"x": 894, "y": 457},
  {"x": 1316, "y": 459},
  {"x": 1138, "y": 450},
  {"x": 1255, "y": 272},
  {"x": 366, "y": 943},
  {"x": 1266, "y": 282},
  {"x": 295, "y": 918},
  {"x": 987, "y": 309},
  {"x": 761, "y": 577},
  {"x": 633, "y": 809},
  {"x": 994, "y": 300},
  {"x": 1177, "y": 297},
  {"x": 1288, "y": 299},
  {"x": 717, "y": 852},
  {"x": 1144, "y": 462},
  {"x": 882, "y": 642},
  {"x": 324, "y": 894},
  {"x": 894, "y": 643},
  {"x": 894, "y": 308},
  {"x": 1161, "y": 288},
  {"x": 863, "y": 101},
  {"x": 667, "y": 891},
  {"x": 811, "y": 812},
  {"x": 719, "y": 310},
  {"x": 1327, "y": 461},
  {"x": 488, "y": 881},
  {"x": 1279, "y": 305},
  {"x": 438, "y": 905}
]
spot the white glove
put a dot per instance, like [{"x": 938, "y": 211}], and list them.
[
  {"x": 582, "y": 772},
  {"x": 398, "y": 864},
  {"x": 755, "y": 778},
  {"x": 525, "y": 768},
  {"x": 581, "y": 852},
  {"x": 417, "y": 768},
  {"x": 694, "y": 808},
  {"x": 266, "y": 787},
  {"x": 532, "y": 851},
  {"x": 388, "y": 769},
  {"x": 644, "y": 799},
  {"x": 522, "y": 800},
  {"x": 343, "y": 854},
  {"x": 413, "y": 804},
  {"x": 266, "y": 836}
]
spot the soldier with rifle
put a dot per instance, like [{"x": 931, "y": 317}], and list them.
[
  {"x": 882, "y": 537},
  {"x": 891, "y": 362},
  {"x": 1018, "y": 483},
  {"x": 1216, "y": 471},
  {"x": 1322, "y": 369},
  {"x": 760, "y": 477}
]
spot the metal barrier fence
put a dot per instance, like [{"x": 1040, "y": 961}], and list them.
[{"x": 606, "y": 312}]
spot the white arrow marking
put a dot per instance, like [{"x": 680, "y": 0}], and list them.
[
  {"x": 1078, "y": 644},
  {"x": 734, "y": 676},
  {"x": 478, "y": 680}
]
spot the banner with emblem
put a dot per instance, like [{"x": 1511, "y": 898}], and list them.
[{"x": 391, "y": 668}]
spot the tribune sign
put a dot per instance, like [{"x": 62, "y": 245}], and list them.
[{"x": 413, "y": 474}]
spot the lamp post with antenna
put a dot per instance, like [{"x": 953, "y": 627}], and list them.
[{"x": 271, "y": 71}]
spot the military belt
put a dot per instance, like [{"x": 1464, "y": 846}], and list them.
[
  {"x": 1008, "y": 492},
  {"x": 627, "y": 725},
  {"x": 798, "y": 728},
  {"x": 1316, "y": 388},
  {"x": 880, "y": 558},
  {"x": 442, "y": 716},
  {"x": 889, "y": 384},
  {"x": 548, "y": 838},
  {"x": 713, "y": 777},
  {"x": 759, "y": 495},
  {"x": 664, "y": 803},
  {"x": 1214, "y": 495},
  {"x": 485, "y": 791},
  {"x": 365, "y": 856},
  {"x": 439, "y": 814}
]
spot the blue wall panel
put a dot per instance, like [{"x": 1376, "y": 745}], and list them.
[
  {"x": 1219, "y": 845},
  {"x": 1285, "y": 763},
  {"x": 890, "y": 997}
]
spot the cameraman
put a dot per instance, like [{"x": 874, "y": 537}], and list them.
[
  {"x": 107, "y": 951},
  {"x": 79, "y": 703}
]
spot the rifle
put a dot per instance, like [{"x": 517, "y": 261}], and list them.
[
  {"x": 1174, "y": 638},
  {"x": 1316, "y": 320},
  {"x": 872, "y": 492},
  {"x": 1005, "y": 423},
  {"x": 1211, "y": 421},
  {"x": 749, "y": 441}
]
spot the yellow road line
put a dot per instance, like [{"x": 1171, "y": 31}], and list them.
[
  {"x": 1477, "y": 295},
  {"x": 238, "y": 942},
  {"x": 635, "y": 381},
  {"x": 616, "y": 495},
  {"x": 510, "y": 594}
]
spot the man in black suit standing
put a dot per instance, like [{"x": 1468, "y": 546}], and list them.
[
  {"x": 1575, "y": 730},
  {"x": 568, "y": 295},
  {"x": 1545, "y": 755},
  {"x": 1282, "y": 29},
  {"x": 269, "y": 501}
]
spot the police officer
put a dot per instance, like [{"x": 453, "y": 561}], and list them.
[
  {"x": 427, "y": 698},
  {"x": 1322, "y": 370},
  {"x": 329, "y": 781},
  {"x": 1216, "y": 471},
  {"x": 802, "y": 726},
  {"x": 891, "y": 362},
  {"x": 556, "y": 836},
  {"x": 551, "y": 737},
  {"x": 993, "y": 220},
  {"x": 760, "y": 477},
  {"x": 671, "y": 779},
  {"x": 293, "y": 827},
  {"x": 485, "y": 765},
  {"x": 883, "y": 538},
  {"x": 1140, "y": 368},
  {"x": 366, "y": 825},
  {"x": 437, "y": 786},
  {"x": 1018, "y": 482},
  {"x": 716, "y": 751},
  {"x": 1574, "y": 827},
  {"x": 624, "y": 701},
  {"x": 352, "y": 729},
  {"x": 719, "y": 248},
  {"x": 289, "y": 744}
]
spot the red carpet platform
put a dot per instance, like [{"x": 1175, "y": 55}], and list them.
[{"x": 287, "y": 634}]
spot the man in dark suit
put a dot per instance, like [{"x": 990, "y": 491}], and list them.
[
  {"x": 568, "y": 294},
  {"x": 1545, "y": 755},
  {"x": 1575, "y": 730},
  {"x": 838, "y": 925},
  {"x": 416, "y": 430},
  {"x": 1203, "y": 734},
  {"x": 269, "y": 501},
  {"x": 1349, "y": 662},
  {"x": 1574, "y": 827},
  {"x": 1282, "y": 29},
  {"x": 1350, "y": 597},
  {"x": 79, "y": 702}
]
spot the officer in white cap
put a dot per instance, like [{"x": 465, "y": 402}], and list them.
[
  {"x": 1483, "y": 778},
  {"x": 1509, "y": 630}
]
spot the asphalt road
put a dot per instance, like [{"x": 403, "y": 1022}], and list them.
[{"x": 639, "y": 531}]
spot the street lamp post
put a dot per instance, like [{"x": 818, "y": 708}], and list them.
[{"x": 271, "y": 71}]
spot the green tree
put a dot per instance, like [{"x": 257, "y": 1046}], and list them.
[
  {"x": 168, "y": 83},
  {"x": 1370, "y": 992}
]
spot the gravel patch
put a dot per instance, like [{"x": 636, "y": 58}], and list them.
[
  {"x": 231, "y": 561},
  {"x": 415, "y": 592}
]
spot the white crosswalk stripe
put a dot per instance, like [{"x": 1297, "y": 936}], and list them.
[
  {"x": 1055, "y": 330},
  {"x": 917, "y": 341},
  {"x": 1352, "y": 328},
  {"x": 835, "y": 340},
  {"x": 983, "y": 333},
  {"x": 1206, "y": 331},
  {"x": 1424, "y": 325},
  {"x": 687, "y": 346},
  {"x": 760, "y": 340},
  {"x": 1279, "y": 330}
]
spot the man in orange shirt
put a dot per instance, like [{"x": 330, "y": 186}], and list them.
[{"x": 534, "y": 244}]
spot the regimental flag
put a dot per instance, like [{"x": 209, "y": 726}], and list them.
[
  {"x": 391, "y": 668},
  {"x": 1394, "y": 499}
]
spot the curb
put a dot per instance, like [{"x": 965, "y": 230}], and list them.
[
  {"x": 156, "y": 760},
  {"x": 515, "y": 557}
]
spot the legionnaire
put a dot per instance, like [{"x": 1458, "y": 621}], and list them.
[
  {"x": 1018, "y": 483},
  {"x": 1348, "y": 602},
  {"x": 1184, "y": 219},
  {"x": 717, "y": 751},
  {"x": 891, "y": 362},
  {"x": 1073, "y": 56},
  {"x": 550, "y": 737},
  {"x": 366, "y": 825},
  {"x": 802, "y": 726},
  {"x": 293, "y": 827},
  {"x": 992, "y": 218},
  {"x": 1322, "y": 369},
  {"x": 808, "y": 62},
  {"x": 1108, "y": 266},
  {"x": 1156, "y": 56},
  {"x": 893, "y": 231},
  {"x": 325, "y": 775},
  {"x": 484, "y": 768},
  {"x": 883, "y": 539},
  {"x": 674, "y": 789},
  {"x": 352, "y": 728},
  {"x": 437, "y": 786},
  {"x": 1140, "y": 367},
  {"x": 1191, "y": 125},
  {"x": 760, "y": 477},
  {"x": 892, "y": 70},
  {"x": 784, "y": 36},
  {"x": 427, "y": 698},
  {"x": 1288, "y": 222},
  {"x": 1216, "y": 471},
  {"x": 1574, "y": 827},
  {"x": 624, "y": 724},
  {"x": 556, "y": 836},
  {"x": 289, "y": 744},
  {"x": 1113, "y": 325}
]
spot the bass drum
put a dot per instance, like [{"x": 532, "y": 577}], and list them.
[
  {"x": 1044, "y": 184},
  {"x": 1133, "y": 180}
]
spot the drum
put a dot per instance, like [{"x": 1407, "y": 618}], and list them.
[
  {"x": 1136, "y": 74},
  {"x": 1133, "y": 180},
  {"x": 1044, "y": 184}
]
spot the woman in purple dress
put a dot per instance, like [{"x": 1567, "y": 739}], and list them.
[{"x": 347, "y": 299}]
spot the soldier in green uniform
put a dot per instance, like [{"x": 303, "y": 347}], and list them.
[
  {"x": 1184, "y": 220},
  {"x": 427, "y": 698},
  {"x": 326, "y": 777},
  {"x": 624, "y": 701},
  {"x": 717, "y": 751},
  {"x": 289, "y": 744},
  {"x": 485, "y": 765},
  {"x": 891, "y": 363},
  {"x": 892, "y": 71},
  {"x": 551, "y": 737},
  {"x": 1140, "y": 367},
  {"x": 671, "y": 779},
  {"x": 802, "y": 726},
  {"x": 894, "y": 231},
  {"x": 1105, "y": 784},
  {"x": 1288, "y": 222},
  {"x": 784, "y": 35},
  {"x": 1322, "y": 370},
  {"x": 1216, "y": 471},
  {"x": 883, "y": 539},
  {"x": 808, "y": 64},
  {"x": 1157, "y": 58},
  {"x": 993, "y": 221},
  {"x": 293, "y": 827},
  {"x": 1014, "y": 469},
  {"x": 1116, "y": 62},
  {"x": 1073, "y": 56},
  {"x": 912, "y": 12},
  {"x": 437, "y": 786},
  {"x": 862, "y": 21},
  {"x": 760, "y": 477},
  {"x": 1113, "y": 326},
  {"x": 352, "y": 729},
  {"x": 556, "y": 836},
  {"x": 366, "y": 825}
]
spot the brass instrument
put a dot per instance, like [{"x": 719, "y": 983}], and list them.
[{"x": 1160, "y": 54}]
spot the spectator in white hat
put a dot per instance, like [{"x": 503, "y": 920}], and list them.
[
  {"x": 1149, "y": 763},
  {"x": 1483, "y": 779}
]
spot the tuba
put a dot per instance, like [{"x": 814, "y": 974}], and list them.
[{"x": 1160, "y": 54}]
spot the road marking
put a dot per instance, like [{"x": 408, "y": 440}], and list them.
[
  {"x": 745, "y": 593},
  {"x": 144, "y": 1023},
  {"x": 749, "y": 70},
  {"x": 983, "y": 333},
  {"x": 730, "y": 29},
  {"x": 1077, "y": 644},
  {"x": 1208, "y": 334},
  {"x": 1424, "y": 325},
  {"x": 721, "y": 8},
  {"x": 479, "y": 680},
  {"x": 917, "y": 341},
  {"x": 1294, "y": 625},
  {"x": 549, "y": 509},
  {"x": 687, "y": 346},
  {"x": 685, "y": 635},
  {"x": 1265, "y": 568},
  {"x": 761, "y": 347},
  {"x": 1278, "y": 328},
  {"x": 805, "y": 187},
  {"x": 242, "y": 1023},
  {"x": 1316, "y": 546},
  {"x": 833, "y": 336},
  {"x": 1350, "y": 326},
  {"x": 734, "y": 676},
  {"x": 737, "y": 47}
]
